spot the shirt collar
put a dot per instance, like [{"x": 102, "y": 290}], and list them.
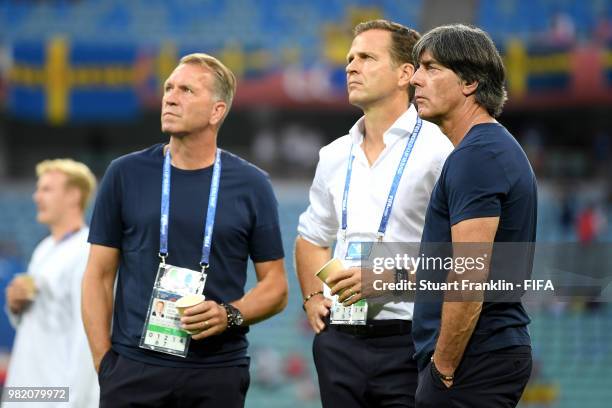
[{"x": 401, "y": 128}]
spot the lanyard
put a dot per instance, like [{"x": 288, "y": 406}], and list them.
[
  {"x": 394, "y": 186},
  {"x": 210, "y": 213}
]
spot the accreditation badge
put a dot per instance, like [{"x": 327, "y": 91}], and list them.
[
  {"x": 357, "y": 313},
  {"x": 162, "y": 331}
]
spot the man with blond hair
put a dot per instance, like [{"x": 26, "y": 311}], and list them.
[
  {"x": 44, "y": 304},
  {"x": 216, "y": 211}
]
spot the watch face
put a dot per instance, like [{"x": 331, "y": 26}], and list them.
[
  {"x": 234, "y": 317},
  {"x": 238, "y": 319}
]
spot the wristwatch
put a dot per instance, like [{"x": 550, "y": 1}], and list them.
[
  {"x": 234, "y": 317},
  {"x": 401, "y": 275}
]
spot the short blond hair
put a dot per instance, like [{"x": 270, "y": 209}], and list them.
[
  {"x": 225, "y": 81},
  {"x": 78, "y": 175}
]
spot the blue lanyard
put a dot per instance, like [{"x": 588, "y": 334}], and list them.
[
  {"x": 394, "y": 186},
  {"x": 210, "y": 213}
]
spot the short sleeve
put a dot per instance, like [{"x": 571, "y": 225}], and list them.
[
  {"x": 319, "y": 224},
  {"x": 475, "y": 185},
  {"x": 265, "y": 242},
  {"x": 106, "y": 223}
]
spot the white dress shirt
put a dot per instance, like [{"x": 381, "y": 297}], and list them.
[
  {"x": 321, "y": 223},
  {"x": 50, "y": 348}
]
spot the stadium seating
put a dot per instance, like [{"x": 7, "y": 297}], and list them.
[
  {"x": 530, "y": 19},
  {"x": 271, "y": 25}
]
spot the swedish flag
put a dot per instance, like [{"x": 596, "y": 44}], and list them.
[{"x": 59, "y": 82}]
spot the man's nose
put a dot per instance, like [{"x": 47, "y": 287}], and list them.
[
  {"x": 351, "y": 67},
  {"x": 415, "y": 79},
  {"x": 169, "y": 98}
]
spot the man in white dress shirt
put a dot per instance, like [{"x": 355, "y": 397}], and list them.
[
  {"x": 370, "y": 364},
  {"x": 44, "y": 305}
]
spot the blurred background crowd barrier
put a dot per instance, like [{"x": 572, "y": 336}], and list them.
[{"x": 82, "y": 79}]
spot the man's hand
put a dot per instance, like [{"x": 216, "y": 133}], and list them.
[
  {"x": 347, "y": 284},
  {"x": 459, "y": 319},
  {"x": 444, "y": 369},
  {"x": 97, "y": 298},
  {"x": 98, "y": 360},
  {"x": 317, "y": 308},
  {"x": 19, "y": 293},
  {"x": 205, "y": 319}
]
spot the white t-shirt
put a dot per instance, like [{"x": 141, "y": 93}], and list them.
[
  {"x": 50, "y": 348},
  {"x": 369, "y": 188}
]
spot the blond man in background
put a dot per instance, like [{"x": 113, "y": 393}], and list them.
[{"x": 44, "y": 304}]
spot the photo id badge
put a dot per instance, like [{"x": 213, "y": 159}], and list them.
[
  {"x": 357, "y": 313},
  {"x": 162, "y": 331},
  {"x": 358, "y": 251}
]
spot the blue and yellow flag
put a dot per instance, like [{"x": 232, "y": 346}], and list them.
[{"x": 60, "y": 81}]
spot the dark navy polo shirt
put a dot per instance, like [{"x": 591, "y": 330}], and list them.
[
  {"x": 487, "y": 175},
  {"x": 127, "y": 217}
]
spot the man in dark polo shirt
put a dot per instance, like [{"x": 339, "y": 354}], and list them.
[
  {"x": 188, "y": 204},
  {"x": 472, "y": 353}
]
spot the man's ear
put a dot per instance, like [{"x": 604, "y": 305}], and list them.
[
  {"x": 74, "y": 195},
  {"x": 406, "y": 72},
  {"x": 218, "y": 112},
  {"x": 469, "y": 89}
]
